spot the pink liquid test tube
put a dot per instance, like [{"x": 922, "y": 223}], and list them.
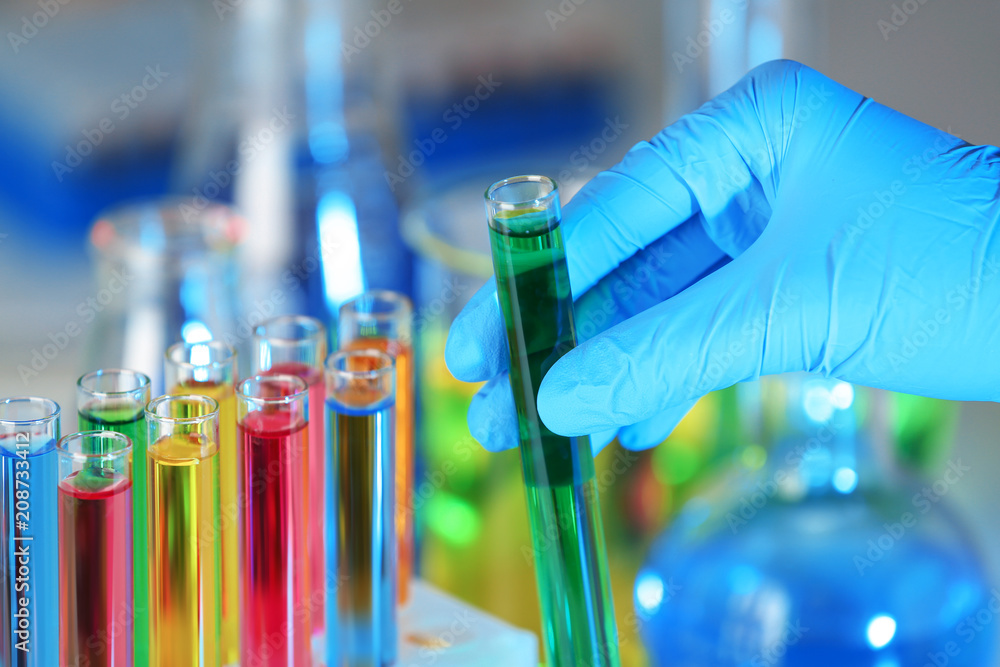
[
  {"x": 276, "y": 612},
  {"x": 95, "y": 549},
  {"x": 296, "y": 345}
]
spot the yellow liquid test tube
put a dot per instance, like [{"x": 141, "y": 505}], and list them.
[
  {"x": 209, "y": 369},
  {"x": 182, "y": 506}
]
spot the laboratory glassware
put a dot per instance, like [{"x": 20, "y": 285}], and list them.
[
  {"x": 361, "y": 535},
  {"x": 383, "y": 320},
  {"x": 533, "y": 289},
  {"x": 183, "y": 508},
  {"x": 296, "y": 345},
  {"x": 209, "y": 369},
  {"x": 276, "y": 594},
  {"x": 29, "y": 530},
  {"x": 114, "y": 399},
  {"x": 829, "y": 555},
  {"x": 96, "y": 549},
  {"x": 165, "y": 270}
]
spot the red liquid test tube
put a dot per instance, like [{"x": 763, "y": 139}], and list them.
[
  {"x": 276, "y": 613},
  {"x": 95, "y": 549},
  {"x": 296, "y": 345}
]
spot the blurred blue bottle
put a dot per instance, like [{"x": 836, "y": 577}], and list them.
[{"x": 828, "y": 556}]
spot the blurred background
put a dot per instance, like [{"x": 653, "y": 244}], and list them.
[{"x": 355, "y": 138}]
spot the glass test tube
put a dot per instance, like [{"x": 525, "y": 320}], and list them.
[
  {"x": 360, "y": 536},
  {"x": 383, "y": 320},
  {"x": 115, "y": 400},
  {"x": 273, "y": 414},
  {"x": 209, "y": 369},
  {"x": 95, "y": 549},
  {"x": 29, "y": 532},
  {"x": 296, "y": 345},
  {"x": 182, "y": 505},
  {"x": 534, "y": 294}
]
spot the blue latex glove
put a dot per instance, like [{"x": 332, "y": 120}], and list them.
[{"x": 789, "y": 224}]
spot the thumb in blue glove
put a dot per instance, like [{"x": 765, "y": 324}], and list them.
[{"x": 862, "y": 246}]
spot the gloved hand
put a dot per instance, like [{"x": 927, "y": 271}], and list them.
[{"x": 789, "y": 224}]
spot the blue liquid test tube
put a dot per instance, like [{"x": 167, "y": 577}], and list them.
[
  {"x": 29, "y": 532},
  {"x": 360, "y": 526}
]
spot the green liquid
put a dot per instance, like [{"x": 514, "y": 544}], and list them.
[
  {"x": 569, "y": 551},
  {"x": 128, "y": 418}
]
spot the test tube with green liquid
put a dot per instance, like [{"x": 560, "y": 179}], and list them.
[
  {"x": 114, "y": 399},
  {"x": 529, "y": 261}
]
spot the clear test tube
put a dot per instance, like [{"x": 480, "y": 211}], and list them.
[
  {"x": 209, "y": 369},
  {"x": 182, "y": 504},
  {"x": 361, "y": 536},
  {"x": 29, "y": 532},
  {"x": 383, "y": 320},
  {"x": 114, "y": 399},
  {"x": 273, "y": 417},
  {"x": 533, "y": 290},
  {"x": 296, "y": 345},
  {"x": 95, "y": 549}
]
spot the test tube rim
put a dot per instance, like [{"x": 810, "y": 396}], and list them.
[
  {"x": 53, "y": 413},
  {"x": 143, "y": 385},
  {"x": 102, "y": 456},
  {"x": 395, "y": 298},
  {"x": 197, "y": 398},
  {"x": 317, "y": 330},
  {"x": 229, "y": 361},
  {"x": 302, "y": 389},
  {"x": 372, "y": 374},
  {"x": 523, "y": 204}
]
